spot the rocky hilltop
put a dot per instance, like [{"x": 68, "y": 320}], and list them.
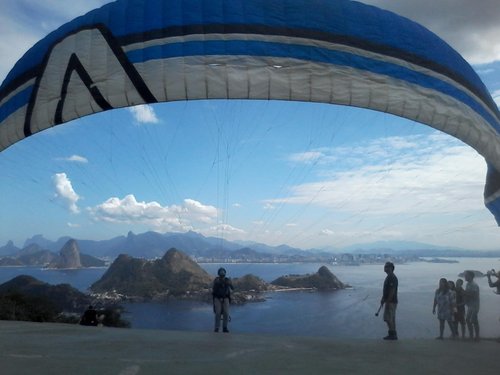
[
  {"x": 8, "y": 249},
  {"x": 31, "y": 255},
  {"x": 61, "y": 297},
  {"x": 29, "y": 299},
  {"x": 324, "y": 279},
  {"x": 69, "y": 256},
  {"x": 175, "y": 274}
]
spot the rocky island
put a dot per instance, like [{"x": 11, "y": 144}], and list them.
[
  {"x": 323, "y": 280},
  {"x": 176, "y": 275}
]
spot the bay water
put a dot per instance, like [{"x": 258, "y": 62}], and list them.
[{"x": 348, "y": 313}]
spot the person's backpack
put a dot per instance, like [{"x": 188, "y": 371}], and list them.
[{"x": 221, "y": 288}]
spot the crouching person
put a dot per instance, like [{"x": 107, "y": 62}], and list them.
[{"x": 89, "y": 317}]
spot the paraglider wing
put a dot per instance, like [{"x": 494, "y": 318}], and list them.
[{"x": 144, "y": 51}]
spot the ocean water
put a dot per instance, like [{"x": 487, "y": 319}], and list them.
[
  {"x": 347, "y": 313},
  {"x": 81, "y": 279}
]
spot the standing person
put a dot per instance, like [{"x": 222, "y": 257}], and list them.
[
  {"x": 221, "y": 293},
  {"x": 454, "y": 322},
  {"x": 443, "y": 301},
  {"x": 460, "y": 316},
  {"x": 390, "y": 300},
  {"x": 472, "y": 303}
]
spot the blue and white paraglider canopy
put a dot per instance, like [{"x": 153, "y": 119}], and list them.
[{"x": 145, "y": 51}]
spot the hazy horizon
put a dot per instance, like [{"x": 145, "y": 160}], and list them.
[{"x": 399, "y": 245}]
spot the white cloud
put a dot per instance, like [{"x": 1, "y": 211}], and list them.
[
  {"x": 435, "y": 174},
  {"x": 306, "y": 157},
  {"x": 198, "y": 211},
  {"x": 326, "y": 232},
  {"x": 14, "y": 43},
  {"x": 65, "y": 193},
  {"x": 78, "y": 159},
  {"x": 177, "y": 218},
  {"x": 380, "y": 150},
  {"x": 144, "y": 114},
  {"x": 73, "y": 225},
  {"x": 75, "y": 159}
]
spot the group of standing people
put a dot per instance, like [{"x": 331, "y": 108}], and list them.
[
  {"x": 458, "y": 307},
  {"x": 454, "y": 304}
]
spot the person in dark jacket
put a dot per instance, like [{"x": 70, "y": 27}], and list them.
[
  {"x": 221, "y": 293},
  {"x": 89, "y": 317},
  {"x": 390, "y": 300}
]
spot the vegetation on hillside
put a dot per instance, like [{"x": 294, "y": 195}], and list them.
[{"x": 26, "y": 298}]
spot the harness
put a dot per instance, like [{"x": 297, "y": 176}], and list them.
[{"x": 221, "y": 291}]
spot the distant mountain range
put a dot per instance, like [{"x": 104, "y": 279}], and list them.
[
  {"x": 67, "y": 257},
  {"x": 152, "y": 245}
]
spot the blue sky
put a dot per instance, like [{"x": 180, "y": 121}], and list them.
[{"x": 308, "y": 175}]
